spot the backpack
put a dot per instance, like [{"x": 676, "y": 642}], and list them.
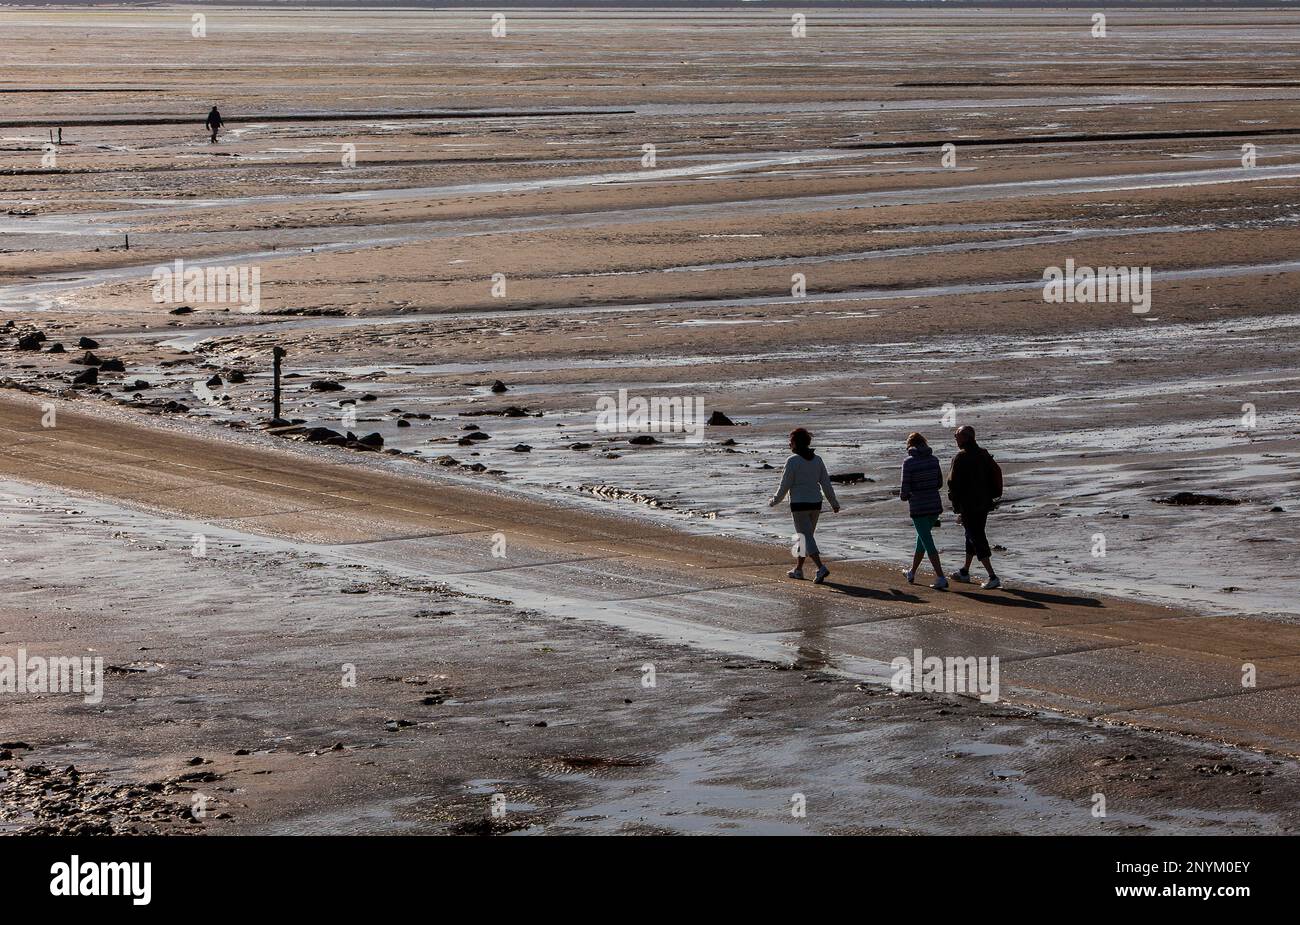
[{"x": 994, "y": 477}]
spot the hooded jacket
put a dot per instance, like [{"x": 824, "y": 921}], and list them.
[{"x": 922, "y": 479}]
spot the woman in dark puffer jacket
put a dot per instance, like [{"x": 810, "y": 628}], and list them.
[{"x": 922, "y": 479}]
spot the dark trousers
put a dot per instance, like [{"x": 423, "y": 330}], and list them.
[{"x": 977, "y": 544}]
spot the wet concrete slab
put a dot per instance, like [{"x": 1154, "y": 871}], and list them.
[
  {"x": 940, "y": 634},
  {"x": 13, "y": 437},
  {"x": 623, "y": 579},
  {"x": 289, "y": 477},
  {"x": 347, "y": 523},
  {"x": 1220, "y": 635},
  {"x": 720, "y": 560},
  {"x": 1259, "y": 716},
  {"x": 412, "y": 498},
  {"x": 1118, "y": 679},
  {"x": 223, "y": 502},
  {"x": 124, "y": 472},
  {"x": 769, "y": 609},
  {"x": 84, "y": 479},
  {"x": 470, "y": 551}
]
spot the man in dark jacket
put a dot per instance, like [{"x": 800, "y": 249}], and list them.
[
  {"x": 214, "y": 123},
  {"x": 973, "y": 487}
]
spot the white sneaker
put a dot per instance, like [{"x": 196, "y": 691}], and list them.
[
  {"x": 796, "y": 573},
  {"x": 940, "y": 584},
  {"x": 963, "y": 576},
  {"x": 821, "y": 575},
  {"x": 910, "y": 576},
  {"x": 992, "y": 584}
]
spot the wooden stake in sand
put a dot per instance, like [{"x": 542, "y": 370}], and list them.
[{"x": 277, "y": 354}]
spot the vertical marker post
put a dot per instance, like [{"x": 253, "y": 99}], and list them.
[{"x": 277, "y": 354}]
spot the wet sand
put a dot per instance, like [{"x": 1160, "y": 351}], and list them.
[
  {"x": 773, "y": 156},
  {"x": 521, "y": 677}
]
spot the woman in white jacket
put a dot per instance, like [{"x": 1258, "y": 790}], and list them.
[{"x": 805, "y": 479}]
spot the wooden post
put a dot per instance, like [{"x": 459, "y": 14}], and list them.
[
  {"x": 277, "y": 354},
  {"x": 127, "y": 238}
]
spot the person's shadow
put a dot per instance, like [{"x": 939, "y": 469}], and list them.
[{"x": 891, "y": 595}]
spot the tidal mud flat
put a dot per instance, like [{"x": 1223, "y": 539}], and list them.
[
  {"x": 699, "y": 206},
  {"x": 223, "y": 692}
]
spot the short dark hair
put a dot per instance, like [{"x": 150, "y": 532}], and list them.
[
  {"x": 915, "y": 439},
  {"x": 800, "y": 439}
]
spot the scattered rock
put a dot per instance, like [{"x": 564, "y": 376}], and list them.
[
  {"x": 88, "y": 376},
  {"x": 510, "y": 411},
  {"x": 718, "y": 419},
  {"x": 87, "y": 343},
  {"x": 375, "y": 440},
  {"x": 850, "y": 478},
  {"x": 498, "y": 386},
  {"x": 579, "y": 446},
  {"x": 181, "y": 310},
  {"x": 31, "y": 341},
  {"x": 56, "y": 348},
  {"x": 403, "y": 422},
  {"x": 642, "y": 440},
  {"x": 112, "y": 366},
  {"x": 215, "y": 382},
  {"x": 522, "y": 448},
  {"x": 326, "y": 385},
  {"x": 322, "y": 435},
  {"x": 67, "y": 802},
  {"x": 1196, "y": 498}
]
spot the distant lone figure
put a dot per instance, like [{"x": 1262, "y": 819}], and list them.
[
  {"x": 805, "y": 479},
  {"x": 974, "y": 485},
  {"x": 214, "y": 123},
  {"x": 922, "y": 479}
]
